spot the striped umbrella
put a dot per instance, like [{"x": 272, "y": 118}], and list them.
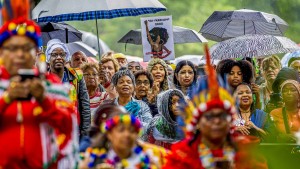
[
  {"x": 223, "y": 25},
  {"x": 81, "y": 10},
  {"x": 252, "y": 46}
]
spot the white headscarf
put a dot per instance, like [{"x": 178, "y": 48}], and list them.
[{"x": 56, "y": 43}]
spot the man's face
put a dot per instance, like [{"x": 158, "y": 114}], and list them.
[
  {"x": 78, "y": 59},
  {"x": 122, "y": 62},
  {"x": 296, "y": 65},
  {"x": 134, "y": 67},
  {"x": 18, "y": 52},
  {"x": 57, "y": 59}
]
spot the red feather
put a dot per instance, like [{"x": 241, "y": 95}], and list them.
[
  {"x": 13, "y": 9},
  {"x": 212, "y": 77}
]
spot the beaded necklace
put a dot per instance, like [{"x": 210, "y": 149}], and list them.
[
  {"x": 209, "y": 161},
  {"x": 116, "y": 161}
]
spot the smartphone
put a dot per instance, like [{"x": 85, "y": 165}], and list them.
[
  {"x": 275, "y": 98},
  {"x": 223, "y": 165},
  {"x": 27, "y": 74}
]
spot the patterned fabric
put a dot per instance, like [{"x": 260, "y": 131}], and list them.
[
  {"x": 222, "y": 25},
  {"x": 107, "y": 14},
  {"x": 96, "y": 100},
  {"x": 252, "y": 46}
]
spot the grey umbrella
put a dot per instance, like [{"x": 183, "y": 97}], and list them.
[
  {"x": 252, "y": 46},
  {"x": 181, "y": 35},
  {"x": 61, "y": 31},
  {"x": 92, "y": 41},
  {"x": 223, "y": 25}
]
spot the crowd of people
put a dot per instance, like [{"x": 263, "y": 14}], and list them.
[{"x": 65, "y": 110}]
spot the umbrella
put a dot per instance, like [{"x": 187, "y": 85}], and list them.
[
  {"x": 80, "y": 46},
  {"x": 223, "y": 25},
  {"x": 181, "y": 35},
  {"x": 68, "y": 10},
  {"x": 288, "y": 56},
  {"x": 92, "y": 41},
  {"x": 61, "y": 31},
  {"x": 252, "y": 46}
]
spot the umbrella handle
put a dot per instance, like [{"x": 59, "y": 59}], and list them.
[{"x": 67, "y": 35}]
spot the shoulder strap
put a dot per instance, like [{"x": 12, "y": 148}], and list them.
[{"x": 285, "y": 120}]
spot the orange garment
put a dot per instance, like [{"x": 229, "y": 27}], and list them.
[{"x": 293, "y": 120}]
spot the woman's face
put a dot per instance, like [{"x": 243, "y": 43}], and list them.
[
  {"x": 244, "y": 95},
  {"x": 122, "y": 137},
  {"x": 290, "y": 94},
  {"x": 270, "y": 71},
  {"x": 235, "y": 76},
  {"x": 125, "y": 86},
  {"x": 158, "y": 73},
  {"x": 142, "y": 86},
  {"x": 215, "y": 124},
  {"x": 185, "y": 76},
  {"x": 91, "y": 77},
  {"x": 174, "y": 106},
  {"x": 109, "y": 68}
]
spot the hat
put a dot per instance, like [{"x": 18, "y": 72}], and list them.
[
  {"x": 16, "y": 20},
  {"x": 119, "y": 56},
  {"x": 56, "y": 43}
]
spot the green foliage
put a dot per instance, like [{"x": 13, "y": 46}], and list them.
[{"x": 191, "y": 14}]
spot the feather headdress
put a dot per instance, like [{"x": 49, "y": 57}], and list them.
[
  {"x": 16, "y": 21},
  {"x": 206, "y": 96}
]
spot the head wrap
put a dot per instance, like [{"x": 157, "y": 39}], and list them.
[
  {"x": 155, "y": 61},
  {"x": 293, "y": 82},
  {"x": 283, "y": 75},
  {"x": 122, "y": 72},
  {"x": 292, "y": 60},
  {"x": 119, "y": 56},
  {"x": 56, "y": 43}
]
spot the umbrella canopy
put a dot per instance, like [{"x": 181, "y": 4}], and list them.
[
  {"x": 80, "y": 46},
  {"x": 252, "y": 46},
  {"x": 223, "y": 25},
  {"x": 62, "y": 31},
  {"x": 181, "y": 35},
  {"x": 92, "y": 41},
  {"x": 68, "y": 10},
  {"x": 288, "y": 56}
]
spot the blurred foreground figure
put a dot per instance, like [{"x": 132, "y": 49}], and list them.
[
  {"x": 118, "y": 146},
  {"x": 34, "y": 107},
  {"x": 210, "y": 142}
]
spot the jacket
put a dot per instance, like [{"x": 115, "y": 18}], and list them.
[{"x": 75, "y": 77}]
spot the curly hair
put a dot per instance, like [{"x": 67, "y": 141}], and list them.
[
  {"x": 179, "y": 67},
  {"x": 146, "y": 73},
  {"x": 86, "y": 66},
  {"x": 162, "y": 32},
  {"x": 110, "y": 58},
  {"x": 225, "y": 66}
]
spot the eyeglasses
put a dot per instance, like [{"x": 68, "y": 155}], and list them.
[
  {"x": 221, "y": 116},
  {"x": 90, "y": 75},
  {"x": 139, "y": 83},
  {"x": 55, "y": 55},
  {"x": 15, "y": 48}
]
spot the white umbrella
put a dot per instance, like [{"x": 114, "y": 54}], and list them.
[{"x": 80, "y": 46}]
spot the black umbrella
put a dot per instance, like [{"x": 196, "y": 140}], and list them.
[
  {"x": 61, "y": 31},
  {"x": 223, "y": 25},
  {"x": 181, "y": 35}
]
